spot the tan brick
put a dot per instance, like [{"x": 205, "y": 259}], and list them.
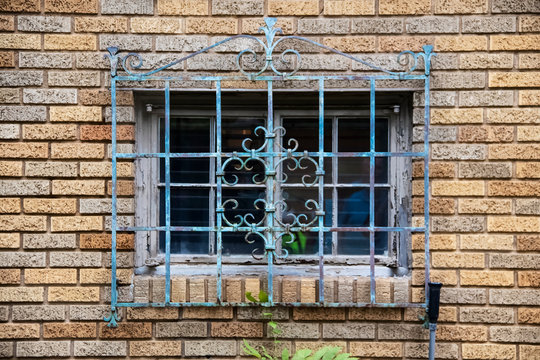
[
  {"x": 319, "y": 314},
  {"x": 293, "y": 7},
  {"x": 528, "y": 242},
  {"x": 123, "y": 188},
  {"x": 156, "y": 25},
  {"x": 514, "y": 79},
  {"x": 50, "y": 132},
  {"x": 103, "y": 276},
  {"x": 461, "y": 6},
  {"x": 155, "y": 348},
  {"x": 10, "y": 168},
  {"x": 529, "y": 23},
  {"x": 103, "y": 241},
  {"x": 20, "y": 41},
  {"x": 514, "y": 116},
  {"x": 10, "y": 241},
  {"x": 529, "y": 351},
  {"x": 457, "y": 116},
  {"x": 466, "y": 333},
  {"x": 76, "y": 223},
  {"x": 436, "y": 206},
  {"x": 488, "y": 351},
  {"x": 77, "y": 151},
  {"x": 7, "y": 60},
  {"x": 50, "y": 276},
  {"x": 513, "y": 224},
  {"x": 528, "y": 170},
  {"x": 75, "y": 113},
  {"x": 486, "y": 61},
  {"x": 529, "y": 279},
  {"x": 101, "y": 24},
  {"x": 50, "y": 206},
  {"x": 103, "y": 169},
  {"x": 29, "y": 150},
  {"x": 21, "y": 294},
  {"x": 7, "y": 23},
  {"x": 133, "y": 330},
  {"x": 212, "y": 26},
  {"x": 486, "y": 134},
  {"x": 446, "y": 314},
  {"x": 10, "y": 277},
  {"x": 252, "y": 25},
  {"x": 237, "y": 329},
  {"x": 349, "y": 7},
  {"x": 182, "y": 7},
  {"x": 22, "y": 223},
  {"x": 513, "y": 188},
  {"x": 484, "y": 206},
  {"x": 436, "y": 242},
  {"x": 70, "y": 42},
  {"x": 376, "y": 349},
  {"x": 103, "y": 97},
  {"x": 486, "y": 242},
  {"x": 152, "y": 313},
  {"x": 10, "y": 206},
  {"x": 374, "y": 314},
  {"x": 78, "y": 187},
  {"x": 447, "y": 277},
  {"x": 514, "y": 151},
  {"x": 529, "y": 61},
  {"x": 486, "y": 278},
  {"x": 528, "y": 133},
  {"x": 398, "y": 43},
  {"x": 456, "y": 260},
  {"x": 529, "y": 316},
  {"x": 529, "y": 97},
  {"x": 20, "y": 5},
  {"x": 207, "y": 313},
  {"x": 103, "y": 132},
  {"x": 74, "y": 330},
  {"x": 71, "y": 6},
  {"x": 19, "y": 331},
  {"x": 457, "y": 188},
  {"x": 350, "y": 44},
  {"x": 73, "y": 294},
  {"x": 396, "y": 7},
  {"x": 461, "y": 43},
  {"x": 514, "y": 42}
]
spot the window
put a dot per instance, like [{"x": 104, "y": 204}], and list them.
[{"x": 345, "y": 183}]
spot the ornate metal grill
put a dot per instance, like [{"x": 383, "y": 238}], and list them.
[{"x": 272, "y": 154}]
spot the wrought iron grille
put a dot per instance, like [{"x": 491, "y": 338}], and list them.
[{"x": 271, "y": 155}]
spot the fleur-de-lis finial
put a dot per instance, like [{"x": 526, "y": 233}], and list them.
[
  {"x": 113, "y": 57},
  {"x": 270, "y": 32}
]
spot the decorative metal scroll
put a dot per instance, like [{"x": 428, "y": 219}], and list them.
[{"x": 274, "y": 229}]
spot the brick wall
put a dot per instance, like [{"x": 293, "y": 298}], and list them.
[{"x": 55, "y": 166}]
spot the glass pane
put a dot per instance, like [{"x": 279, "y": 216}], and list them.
[
  {"x": 356, "y": 170},
  {"x": 187, "y": 135},
  {"x": 354, "y": 134},
  {"x": 306, "y": 132},
  {"x": 357, "y": 243}
]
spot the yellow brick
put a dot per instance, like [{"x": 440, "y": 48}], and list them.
[
  {"x": 252, "y": 285},
  {"x": 529, "y": 279},
  {"x": 10, "y": 206},
  {"x": 351, "y": 43},
  {"x": 461, "y": 6},
  {"x": 233, "y": 290},
  {"x": 376, "y": 349},
  {"x": 73, "y": 294},
  {"x": 489, "y": 351},
  {"x": 103, "y": 169},
  {"x": 307, "y": 290},
  {"x": 19, "y": 331},
  {"x": 446, "y": 314},
  {"x": 78, "y": 187},
  {"x": 486, "y": 278},
  {"x": 103, "y": 276},
  {"x": 529, "y": 61},
  {"x": 447, "y": 277},
  {"x": 212, "y": 26},
  {"x": 486, "y": 242},
  {"x": 462, "y": 333},
  {"x": 21, "y": 5},
  {"x": 317, "y": 345},
  {"x": 178, "y": 289},
  {"x": 395, "y": 7},
  {"x": 436, "y": 242},
  {"x": 455, "y": 260},
  {"x": 10, "y": 276},
  {"x": 457, "y": 188},
  {"x": 10, "y": 168},
  {"x": 528, "y": 133},
  {"x": 513, "y": 188},
  {"x": 7, "y": 23},
  {"x": 515, "y": 79},
  {"x": 75, "y": 113},
  {"x": 252, "y": 25},
  {"x": 514, "y": 151},
  {"x": 22, "y": 223},
  {"x": 156, "y": 25},
  {"x": 155, "y": 348},
  {"x": 457, "y": 116},
  {"x": 50, "y": 206},
  {"x": 529, "y": 97},
  {"x": 461, "y": 43},
  {"x": 529, "y": 351},
  {"x": 70, "y": 42},
  {"x": 513, "y": 224},
  {"x": 20, "y": 41},
  {"x": 514, "y": 42},
  {"x": 77, "y": 151},
  {"x": 101, "y": 24},
  {"x": 72, "y": 6},
  {"x": 21, "y": 294},
  {"x": 50, "y": 276},
  {"x": 293, "y": 7},
  {"x": 9, "y": 240},
  {"x": 484, "y": 206},
  {"x": 29, "y": 150},
  {"x": 528, "y": 170},
  {"x": 76, "y": 223},
  {"x": 50, "y": 132},
  {"x": 182, "y": 7},
  {"x": 398, "y": 43},
  {"x": 349, "y": 7}
]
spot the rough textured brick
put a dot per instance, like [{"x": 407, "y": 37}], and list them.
[
  {"x": 182, "y": 7},
  {"x": 348, "y": 331},
  {"x": 236, "y": 329},
  {"x": 514, "y": 151},
  {"x": 7, "y": 23},
  {"x": 10, "y": 206},
  {"x": 515, "y": 334},
  {"x": 511, "y": 79},
  {"x": 514, "y": 261},
  {"x": 528, "y": 133},
  {"x": 349, "y": 7},
  {"x": 486, "y": 278},
  {"x": 486, "y": 315},
  {"x": 528, "y": 61},
  {"x": 484, "y": 206},
  {"x": 38, "y": 312},
  {"x": 456, "y": 116},
  {"x": 50, "y": 132},
  {"x": 432, "y": 24},
  {"x": 486, "y": 134},
  {"x": 513, "y": 224},
  {"x": 51, "y": 169},
  {"x": 293, "y": 7},
  {"x": 299, "y": 330},
  {"x": 376, "y": 349},
  {"x": 456, "y": 260},
  {"x": 21, "y": 5},
  {"x": 323, "y": 26},
  {"x": 529, "y": 279},
  {"x": 10, "y": 277},
  {"x": 103, "y": 132},
  {"x": 458, "y": 224},
  {"x": 22, "y": 223},
  {"x": 50, "y": 276},
  {"x": 420, "y": 350},
  {"x": 138, "y": 7},
  {"x": 529, "y": 351},
  {"x": 43, "y": 348},
  {"x": 77, "y": 151},
  {"x": 21, "y": 294},
  {"x": 514, "y": 42},
  {"x": 135, "y": 330},
  {"x": 514, "y": 297},
  {"x": 102, "y": 97},
  {"x": 11, "y": 168},
  {"x": 156, "y": 25},
  {"x": 513, "y": 188},
  {"x": 74, "y": 78},
  {"x": 7, "y": 60},
  {"x": 527, "y": 207},
  {"x": 210, "y": 348},
  {"x": 510, "y": 6},
  {"x": 463, "y": 296},
  {"x": 238, "y": 7},
  {"x": 20, "y": 41},
  {"x": 22, "y": 113},
  {"x": 152, "y": 313},
  {"x": 398, "y": 43},
  {"x": 45, "y": 60},
  {"x": 529, "y": 316},
  {"x": 76, "y": 223},
  {"x": 351, "y": 43},
  {"x": 69, "y": 42},
  {"x": 377, "y": 26},
  {"x": 527, "y": 170},
  {"x": 318, "y": 314},
  {"x": 212, "y": 26},
  {"x": 73, "y": 294},
  {"x": 529, "y": 24},
  {"x": 75, "y": 113},
  {"x": 492, "y": 24},
  {"x": 20, "y": 259},
  {"x": 9, "y": 96},
  {"x": 488, "y": 351},
  {"x": 101, "y": 24},
  {"x": 71, "y": 6},
  {"x": 75, "y": 259},
  {"x": 49, "y": 96},
  {"x": 461, "y": 6},
  {"x": 88, "y": 312},
  {"x": 486, "y": 61},
  {"x": 10, "y": 241},
  {"x": 78, "y": 187},
  {"x": 50, "y": 206},
  {"x": 528, "y": 242},
  {"x": 99, "y": 348},
  {"x": 401, "y": 332},
  {"x": 455, "y": 80},
  {"x": 20, "y": 78},
  {"x": 486, "y": 98},
  {"x": 458, "y": 152},
  {"x": 155, "y": 348},
  {"x": 103, "y": 241},
  {"x": 49, "y": 241},
  {"x": 19, "y": 331},
  {"x": 394, "y": 7},
  {"x": 453, "y": 188},
  {"x": 44, "y": 23},
  {"x": 132, "y": 42}
]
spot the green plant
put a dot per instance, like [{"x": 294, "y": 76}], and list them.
[{"x": 325, "y": 353}]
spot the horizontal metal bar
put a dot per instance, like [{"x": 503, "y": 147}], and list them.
[
  {"x": 284, "y": 185},
  {"x": 193, "y": 89},
  {"x": 271, "y": 154},
  {"x": 269, "y": 78},
  {"x": 264, "y": 228},
  {"x": 293, "y": 304}
]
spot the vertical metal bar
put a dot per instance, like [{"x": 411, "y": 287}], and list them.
[
  {"x": 372, "y": 189},
  {"x": 114, "y": 294},
  {"x": 219, "y": 244},
  {"x": 426, "y": 182},
  {"x": 321, "y": 190},
  {"x": 167, "y": 193},
  {"x": 270, "y": 191}
]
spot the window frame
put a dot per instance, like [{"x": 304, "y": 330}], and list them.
[{"x": 147, "y": 257}]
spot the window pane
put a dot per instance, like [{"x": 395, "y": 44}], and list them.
[
  {"x": 356, "y": 170},
  {"x": 354, "y": 134},
  {"x": 357, "y": 243}
]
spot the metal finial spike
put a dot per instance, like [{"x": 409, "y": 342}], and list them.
[
  {"x": 270, "y": 22},
  {"x": 113, "y": 50},
  {"x": 428, "y": 49}
]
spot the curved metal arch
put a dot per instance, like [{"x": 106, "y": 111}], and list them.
[{"x": 133, "y": 61}]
